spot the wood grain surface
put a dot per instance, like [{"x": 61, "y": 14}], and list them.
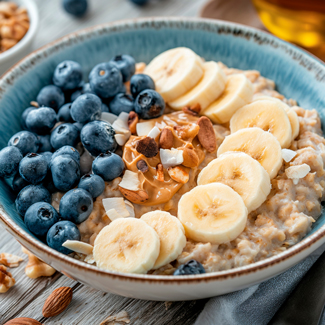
[{"x": 89, "y": 306}]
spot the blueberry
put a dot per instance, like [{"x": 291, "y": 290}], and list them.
[
  {"x": 44, "y": 142},
  {"x": 51, "y": 96},
  {"x": 126, "y": 65},
  {"x": 64, "y": 135},
  {"x": 85, "y": 89},
  {"x": 108, "y": 166},
  {"x": 30, "y": 195},
  {"x": 10, "y": 158},
  {"x": 76, "y": 205},
  {"x": 77, "y": 8},
  {"x": 140, "y": 82},
  {"x": 149, "y": 104},
  {"x": 33, "y": 168},
  {"x": 79, "y": 126},
  {"x": 64, "y": 114},
  {"x": 104, "y": 108},
  {"x": 48, "y": 183},
  {"x": 140, "y": 2},
  {"x": 48, "y": 156},
  {"x": 121, "y": 103},
  {"x": 24, "y": 116},
  {"x": 25, "y": 141},
  {"x": 65, "y": 172},
  {"x": 60, "y": 233},
  {"x": 41, "y": 120},
  {"x": 67, "y": 75},
  {"x": 98, "y": 137},
  {"x": 105, "y": 79},
  {"x": 86, "y": 108},
  {"x": 18, "y": 183},
  {"x": 40, "y": 217},
  {"x": 191, "y": 267},
  {"x": 93, "y": 184},
  {"x": 67, "y": 150}
]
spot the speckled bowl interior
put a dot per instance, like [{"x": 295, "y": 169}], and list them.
[{"x": 297, "y": 74}]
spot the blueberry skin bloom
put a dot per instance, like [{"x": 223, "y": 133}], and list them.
[
  {"x": 67, "y": 75},
  {"x": 67, "y": 150},
  {"x": 24, "y": 116},
  {"x": 60, "y": 233},
  {"x": 30, "y": 195},
  {"x": 76, "y": 205},
  {"x": 84, "y": 90},
  {"x": 48, "y": 156},
  {"x": 149, "y": 104},
  {"x": 64, "y": 114},
  {"x": 40, "y": 217},
  {"x": 25, "y": 141},
  {"x": 77, "y": 8},
  {"x": 41, "y": 120},
  {"x": 121, "y": 103},
  {"x": 98, "y": 137},
  {"x": 189, "y": 268},
  {"x": 51, "y": 96},
  {"x": 126, "y": 65},
  {"x": 18, "y": 183},
  {"x": 108, "y": 166},
  {"x": 10, "y": 158},
  {"x": 93, "y": 184},
  {"x": 65, "y": 172},
  {"x": 86, "y": 108},
  {"x": 140, "y": 82},
  {"x": 65, "y": 134},
  {"x": 106, "y": 79},
  {"x": 33, "y": 168},
  {"x": 44, "y": 142}
]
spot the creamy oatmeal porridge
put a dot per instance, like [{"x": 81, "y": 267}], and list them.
[{"x": 288, "y": 210}]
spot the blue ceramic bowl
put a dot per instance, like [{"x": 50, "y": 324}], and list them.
[{"x": 297, "y": 75}]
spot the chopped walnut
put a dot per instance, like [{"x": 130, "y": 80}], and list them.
[
  {"x": 6, "y": 279},
  {"x": 10, "y": 260},
  {"x": 120, "y": 318}
]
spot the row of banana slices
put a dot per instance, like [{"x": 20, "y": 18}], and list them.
[{"x": 237, "y": 182}]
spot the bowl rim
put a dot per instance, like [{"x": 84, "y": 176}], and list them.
[
  {"x": 31, "y": 8},
  {"x": 118, "y": 26}
]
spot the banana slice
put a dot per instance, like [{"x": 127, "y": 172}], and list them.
[
  {"x": 208, "y": 89},
  {"x": 212, "y": 213},
  {"x": 268, "y": 115},
  {"x": 260, "y": 145},
  {"x": 242, "y": 173},
  {"x": 175, "y": 72},
  {"x": 292, "y": 115},
  {"x": 238, "y": 92},
  {"x": 171, "y": 234},
  {"x": 127, "y": 245}
]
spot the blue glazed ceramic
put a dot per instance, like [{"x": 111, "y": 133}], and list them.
[{"x": 296, "y": 73}]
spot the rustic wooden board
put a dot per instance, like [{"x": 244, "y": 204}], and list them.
[{"x": 89, "y": 306}]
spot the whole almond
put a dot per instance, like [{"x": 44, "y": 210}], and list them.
[
  {"x": 166, "y": 139},
  {"x": 206, "y": 135},
  {"x": 23, "y": 321},
  {"x": 190, "y": 157},
  {"x": 57, "y": 301},
  {"x": 136, "y": 197}
]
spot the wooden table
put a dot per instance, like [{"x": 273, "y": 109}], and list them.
[{"x": 89, "y": 306}]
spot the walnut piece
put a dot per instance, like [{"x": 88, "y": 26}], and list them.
[
  {"x": 6, "y": 279},
  {"x": 120, "y": 318},
  {"x": 35, "y": 267},
  {"x": 10, "y": 260}
]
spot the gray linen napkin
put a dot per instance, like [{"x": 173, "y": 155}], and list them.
[{"x": 256, "y": 305}]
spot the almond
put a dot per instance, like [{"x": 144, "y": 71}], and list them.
[
  {"x": 57, "y": 301},
  {"x": 147, "y": 147},
  {"x": 206, "y": 135},
  {"x": 178, "y": 174},
  {"x": 23, "y": 321},
  {"x": 166, "y": 139},
  {"x": 133, "y": 121},
  {"x": 160, "y": 172},
  {"x": 136, "y": 197},
  {"x": 190, "y": 157},
  {"x": 193, "y": 110}
]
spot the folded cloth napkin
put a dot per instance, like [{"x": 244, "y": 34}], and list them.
[{"x": 256, "y": 305}]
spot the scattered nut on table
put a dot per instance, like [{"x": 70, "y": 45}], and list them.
[
  {"x": 6, "y": 279},
  {"x": 120, "y": 318},
  {"x": 23, "y": 321},
  {"x": 10, "y": 260},
  {"x": 35, "y": 268}
]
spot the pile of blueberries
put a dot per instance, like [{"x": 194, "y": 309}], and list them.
[{"x": 44, "y": 158}]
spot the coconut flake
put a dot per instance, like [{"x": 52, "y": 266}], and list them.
[
  {"x": 144, "y": 128},
  {"x": 117, "y": 204},
  {"x": 113, "y": 214},
  {"x": 120, "y": 129},
  {"x": 288, "y": 154},
  {"x": 78, "y": 246},
  {"x": 109, "y": 117},
  {"x": 171, "y": 158},
  {"x": 297, "y": 172},
  {"x": 121, "y": 139},
  {"x": 130, "y": 181},
  {"x": 154, "y": 133},
  {"x": 129, "y": 206},
  {"x": 124, "y": 117}
]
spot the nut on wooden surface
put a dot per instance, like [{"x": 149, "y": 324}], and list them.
[
  {"x": 23, "y": 321},
  {"x": 57, "y": 301},
  {"x": 6, "y": 279}
]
